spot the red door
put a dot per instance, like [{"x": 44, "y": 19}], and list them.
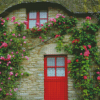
[{"x": 55, "y": 78}]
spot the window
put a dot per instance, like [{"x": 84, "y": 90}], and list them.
[
  {"x": 36, "y": 16},
  {"x": 55, "y": 66}
]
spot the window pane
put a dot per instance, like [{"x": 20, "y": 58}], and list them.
[
  {"x": 43, "y": 21},
  {"x": 50, "y": 61},
  {"x": 60, "y": 72},
  {"x": 32, "y": 14},
  {"x": 32, "y": 23},
  {"x": 60, "y": 61},
  {"x": 50, "y": 71},
  {"x": 43, "y": 14}
]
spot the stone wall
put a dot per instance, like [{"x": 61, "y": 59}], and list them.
[{"x": 32, "y": 87}]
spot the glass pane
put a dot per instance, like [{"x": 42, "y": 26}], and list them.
[
  {"x": 50, "y": 71},
  {"x": 32, "y": 23},
  {"x": 60, "y": 61},
  {"x": 43, "y": 21},
  {"x": 43, "y": 14},
  {"x": 60, "y": 72},
  {"x": 32, "y": 14},
  {"x": 50, "y": 61}
]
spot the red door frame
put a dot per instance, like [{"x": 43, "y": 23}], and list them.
[{"x": 55, "y": 78}]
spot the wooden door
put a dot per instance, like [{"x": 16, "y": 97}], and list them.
[{"x": 55, "y": 78}]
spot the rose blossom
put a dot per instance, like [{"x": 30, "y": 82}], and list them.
[
  {"x": 10, "y": 39},
  {"x": 13, "y": 56},
  {"x": 80, "y": 53},
  {"x": 68, "y": 61},
  {"x": 1, "y": 82},
  {"x": 23, "y": 50},
  {"x": 4, "y": 33},
  {"x": 98, "y": 72},
  {"x": 98, "y": 78},
  {"x": 7, "y": 93},
  {"x": 0, "y": 62},
  {"x": 86, "y": 53},
  {"x": 18, "y": 34},
  {"x": 4, "y": 44},
  {"x": 10, "y": 68},
  {"x": 13, "y": 34},
  {"x": 21, "y": 73},
  {"x": 76, "y": 60},
  {"x": 8, "y": 78},
  {"x": 40, "y": 37},
  {"x": 7, "y": 18},
  {"x": 0, "y": 89},
  {"x": 68, "y": 72},
  {"x": 11, "y": 73},
  {"x": 17, "y": 52},
  {"x": 0, "y": 72},
  {"x": 89, "y": 46},
  {"x": 10, "y": 93},
  {"x": 24, "y": 37},
  {"x": 12, "y": 53},
  {"x": 42, "y": 40},
  {"x": 85, "y": 77},
  {"x": 16, "y": 74},
  {"x": 26, "y": 57},
  {"x": 24, "y": 41}
]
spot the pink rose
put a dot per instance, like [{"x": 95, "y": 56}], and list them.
[
  {"x": 98, "y": 72},
  {"x": 11, "y": 73},
  {"x": 10, "y": 90},
  {"x": 16, "y": 74},
  {"x": 25, "y": 22},
  {"x": 21, "y": 73},
  {"x": 13, "y": 56},
  {"x": 13, "y": 34},
  {"x": 88, "y": 17},
  {"x": 12, "y": 53},
  {"x": 7, "y": 18},
  {"x": 24, "y": 37},
  {"x": 41, "y": 24},
  {"x": 84, "y": 47},
  {"x": 8, "y": 78},
  {"x": 7, "y": 93},
  {"x": 18, "y": 34},
  {"x": 37, "y": 24},
  {"x": 0, "y": 72},
  {"x": 24, "y": 41},
  {"x": 64, "y": 22},
  {"x": 48, "y": 25},
  {"x": 22, "y": 55},
  {"x": 42, "y": 40},
  {"x": 86, "y": 53},
  {"x": 68, "y": 72},
  {"x": 10, "y": 39},
  {"x": 40, "y": 37},
  {"x": 17, "y": 52},
  {"x": 0, "y": 89},
  {"x": 4, "y": 33},
  {"x": 89, "y": 46},
  {"x": 68, "y": 61},
  {"x": 26, "y": 57},
  {"x": 13, "y": 18},
  {"x": 8, "y": 57},
  {"x": 98, "y": 78},
  {"x": 2, "y": 23},
  {"x": 10, "y": 68},
  {"x": 1, "y": 82},
  {"x": 23, "y": 50},
  {"x": 21, "y": 44},
  {"x": 4, "y": 44},
  {"x": 85, "y": 77},
  {"x": 10, "y": 93},
  {"x": 0, "y": 62},
  {"x": 80, "y": 53}
]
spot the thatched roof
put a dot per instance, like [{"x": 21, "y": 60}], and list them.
[{"x": 75, "y": 6}]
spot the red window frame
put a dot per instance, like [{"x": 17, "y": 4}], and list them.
[
  {"x": 37, "y": 17},
  {"x": 45, "y": 67}
]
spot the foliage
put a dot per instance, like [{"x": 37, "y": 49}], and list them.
[{"x": 11, "y": 56}]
